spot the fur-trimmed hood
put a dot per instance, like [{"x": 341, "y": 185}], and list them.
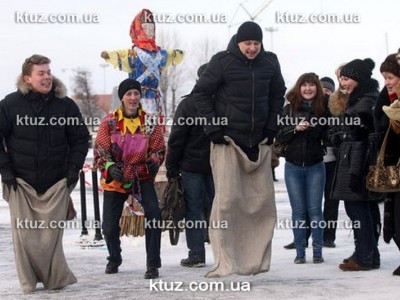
[
  {"x": 59, "y": 89},
  {"x": 338, "y": 103}
]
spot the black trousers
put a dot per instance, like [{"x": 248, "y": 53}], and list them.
[
  {"x": 112, "y": 210},
  {"x": 364, "y": 215},
  {"x": 331, "y": 206}
]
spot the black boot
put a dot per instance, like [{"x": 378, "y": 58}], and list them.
[
  {"x": 273, "y": 175},
  {"x": 151, "y": 273},
  {"x": 112, "y": 267},
  {"x": 194, "y": 261}
]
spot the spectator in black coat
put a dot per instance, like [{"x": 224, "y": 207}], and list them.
[
  {"x": 188, "y": 154},
  {"x": 352, "y": 162}
]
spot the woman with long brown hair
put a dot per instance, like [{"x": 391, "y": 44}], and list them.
[{"x": 303, "y": 132}]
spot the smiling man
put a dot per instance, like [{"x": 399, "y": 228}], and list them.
[
  {"x": 39, "y": 165},
  {"x": 244, "y": 86}
]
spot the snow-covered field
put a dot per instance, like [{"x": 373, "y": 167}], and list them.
[{"x": 285, "y": 280}]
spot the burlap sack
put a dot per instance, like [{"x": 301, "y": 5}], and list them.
[
  {"x": 245, "y": 200},
  {"x": 37, "y": 223}
]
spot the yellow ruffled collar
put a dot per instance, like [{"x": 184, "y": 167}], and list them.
[{"x": 129, "y": 124}]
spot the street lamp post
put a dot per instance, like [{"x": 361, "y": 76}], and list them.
[
  {"x": 104, "y": 66},
  {"x": 271, "y": 30}
]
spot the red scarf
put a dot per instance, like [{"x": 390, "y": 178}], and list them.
[
  {"x": 393, "y": 97},
  {"x": 139, "y": 38}
]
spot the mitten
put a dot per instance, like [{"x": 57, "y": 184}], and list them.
[
  {"x": 152, "y": 167},
  {"x": 270, "y": 135},
  {"x": 114, "y": 173},
  {"x": 172, "y": 173},
  {"x": 388, "y": 221},
  {"x": 8, "y": 178},
  {"x": 72, "y": 174},
  {"x": 217, "y": 137},
  {"x": 355, "y": 183}
]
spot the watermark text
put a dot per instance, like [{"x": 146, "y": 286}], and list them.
[
  {"x": 24, "y": 17},
  {"x": 194, "y": 18},
  {"x": 201, "y": 286},
  {"x": 55, "y": 224},
  {"x": 322, "y": 121},
  {"x": 302, "y": 224},
  {"x": 188, "y": 224},
  {"x": 56, "y": 121},
  {"x": 322, "y": 18}
]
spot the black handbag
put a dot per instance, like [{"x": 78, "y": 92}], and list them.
[{"x": 173, "y": 209}]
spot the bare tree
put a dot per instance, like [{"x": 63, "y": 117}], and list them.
[
  {"x": 84, "y": 97},
  {"x": 171, "y": 77},
  {"x": 176, "y": 79}
]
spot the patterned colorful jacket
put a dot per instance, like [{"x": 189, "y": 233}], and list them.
[{"x": 116, "y": 144}]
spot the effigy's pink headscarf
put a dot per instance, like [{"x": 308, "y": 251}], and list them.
[{"x": 139, "y": 38}]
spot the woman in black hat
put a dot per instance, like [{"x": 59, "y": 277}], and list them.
[{"x": 352, "y": 163}]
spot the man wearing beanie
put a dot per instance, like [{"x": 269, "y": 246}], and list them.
[
  {"x": 128, "y": 151},
  {"x": 328, "y": 85},
  {"x": 390, "y": 70},
  {"x": 354, "y": 158},
  {"x": 249, "y": 95}
]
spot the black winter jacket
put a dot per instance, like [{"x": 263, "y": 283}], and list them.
[
  {"x": 352, "y": 138},
  {"x": 188, "y": 145},
  {"x": 304, "y": 148},
  {"x": 249, "y": 93},
  {"x": 35, "y": 150}
]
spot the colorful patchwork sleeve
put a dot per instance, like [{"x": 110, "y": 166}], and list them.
[
  {"x": 102, "y": 147},
  {"x": 157, "y": 145}
]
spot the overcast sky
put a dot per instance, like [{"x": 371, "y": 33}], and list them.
[{"x": 301, "y": 45}]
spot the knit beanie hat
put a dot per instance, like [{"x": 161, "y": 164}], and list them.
[
  {"x": 249, "y": 31},
  {"x": 127, "y": 85},
  {"x": 390, "y": 65},
  {"x": 359, "y": 70},
  {"x": 328, "y": 83},
  {"x": 201, "y": 69}
]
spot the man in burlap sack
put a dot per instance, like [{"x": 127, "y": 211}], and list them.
[
  {"x": 241, "y": 123},
  {"x": 39, "y": 164}
]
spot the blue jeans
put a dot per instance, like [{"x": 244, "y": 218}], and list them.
[
  {"x": 195, "y": 185},
  {"x": 112, "y": 210},
  {"x": 361, "y": 213},
  {"x": 305, "y": 186}
]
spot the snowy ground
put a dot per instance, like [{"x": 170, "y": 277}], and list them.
[{"x": 285, "y": 280}]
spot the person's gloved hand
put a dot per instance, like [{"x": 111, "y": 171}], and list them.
[
  {"x": 172, "y": 173},
  {"x": 270, "y": 135},
  {"x": 152, "y": 167},
  {"x": 336, "y": 139},
  {"x": 217, "y": 137},
  {"x": 8, "y": 178},
  {"x": 114, "y": 173},
  {"x": 355, "y": 183},
  {"x": 72, "y": 174},
  {"x": 388, "y": 221}
]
